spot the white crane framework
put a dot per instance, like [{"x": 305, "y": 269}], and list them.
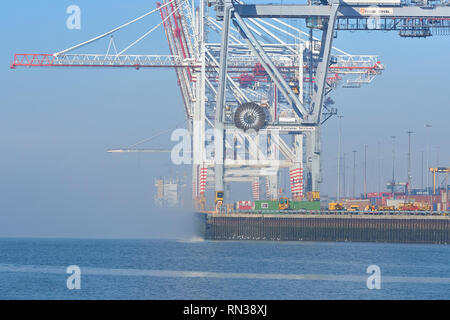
[
  {"x": 418, "y": 20},
  {"x": 262, "y": 59}
]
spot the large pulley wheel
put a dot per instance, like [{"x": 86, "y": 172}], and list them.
[{"x": 249, "y": 116}]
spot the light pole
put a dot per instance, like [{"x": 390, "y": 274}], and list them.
[
  {"x": 421, "y": 182},
  {"x": 365, "y": 171},
  {"x": 338, "y": 195},
  {"x": 408, "y": 188},
  {"x": 379, "y": 166},
  {"x": 344, "y": 193},
  {"x": 393, "y": 164},
  {"x": 354, "y": 172},
  {"x": 428, "y": 154}
]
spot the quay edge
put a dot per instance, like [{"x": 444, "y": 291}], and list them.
[{"x": 378, "y": 227}]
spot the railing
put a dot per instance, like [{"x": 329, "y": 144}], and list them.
[{"x": 344, "y": 212}]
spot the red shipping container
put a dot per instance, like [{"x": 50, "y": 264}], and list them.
[{"x": 245, "y": 205}]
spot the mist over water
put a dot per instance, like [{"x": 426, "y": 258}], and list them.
[{"x": 172, "y": 223}]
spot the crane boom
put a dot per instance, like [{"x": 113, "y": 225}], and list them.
[{"x": 98, "y": 60}]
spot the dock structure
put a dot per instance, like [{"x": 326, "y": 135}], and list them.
[{"x": 327, "y": 227}]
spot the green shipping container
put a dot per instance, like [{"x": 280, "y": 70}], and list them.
[
  {"x": 305, "y": 205},
  {"x": 266, "y": 205},
  {"x": 262, "y": 205}
]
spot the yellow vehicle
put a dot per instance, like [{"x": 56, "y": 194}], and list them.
[
  {"x": 334, "y": 206},
  {"x": 370, "y": 208},
  {"x": 294, "y": 87},
  {"x": 283, "y": 203},
  {"x": 353, "y": 208},
  {"x": 313, "y": 196},
  {"x": 386, "y": 208},
  {"x": 424, "y": 207}
]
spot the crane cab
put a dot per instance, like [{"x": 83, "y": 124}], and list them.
[{"x": 219, "y": 199}]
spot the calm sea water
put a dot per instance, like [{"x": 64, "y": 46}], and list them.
[{"x": 196, "y": 269}]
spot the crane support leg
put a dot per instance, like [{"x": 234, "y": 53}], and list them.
[
  {"x": 312, "y": 164},
  {"x": 322, "y": 66},
  {"x": 219, "y": 130},
  {"x": 315, "y": 160}
]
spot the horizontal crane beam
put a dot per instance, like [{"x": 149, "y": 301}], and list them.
[
  {"x": 139, "y": 150},
  {"x": 346, "y": 11},
  {"x": 343, "y": 65},
  {"x": 98, "y": 60}
]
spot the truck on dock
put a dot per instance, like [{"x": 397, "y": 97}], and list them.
[{"x": 335, "y": 206}]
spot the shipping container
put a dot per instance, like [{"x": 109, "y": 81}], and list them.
[
  {"x": 395, "y": 203},
  {"x": 244, "y": 205},
  {"x": 262, "y": 205},
  {"x": 266, "y": 205},
  {"x": 305, "y": 205},
  {"x": 419, "y": 192},
  {"x": 379, "y": 202},
  {"x": 378, "y": 194},
  {"x": 421, "y": 198}
]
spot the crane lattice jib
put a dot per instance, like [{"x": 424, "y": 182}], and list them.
[
  {"x": 362, "y": 68},
  {"x": 99, "y": 60},
  {"x": 177, "y": 21},
  {"x": 173, "y": 18},
  {"x": 137, "y": 61}
]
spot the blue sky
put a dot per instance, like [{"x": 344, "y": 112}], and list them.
[{"x": 56, "y": 178}]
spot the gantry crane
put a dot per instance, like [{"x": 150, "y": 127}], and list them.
[
  {"x": 245, "y": 76},
  {"x": 328, "y": 17},
  {"x": 439, "y": 170}
]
